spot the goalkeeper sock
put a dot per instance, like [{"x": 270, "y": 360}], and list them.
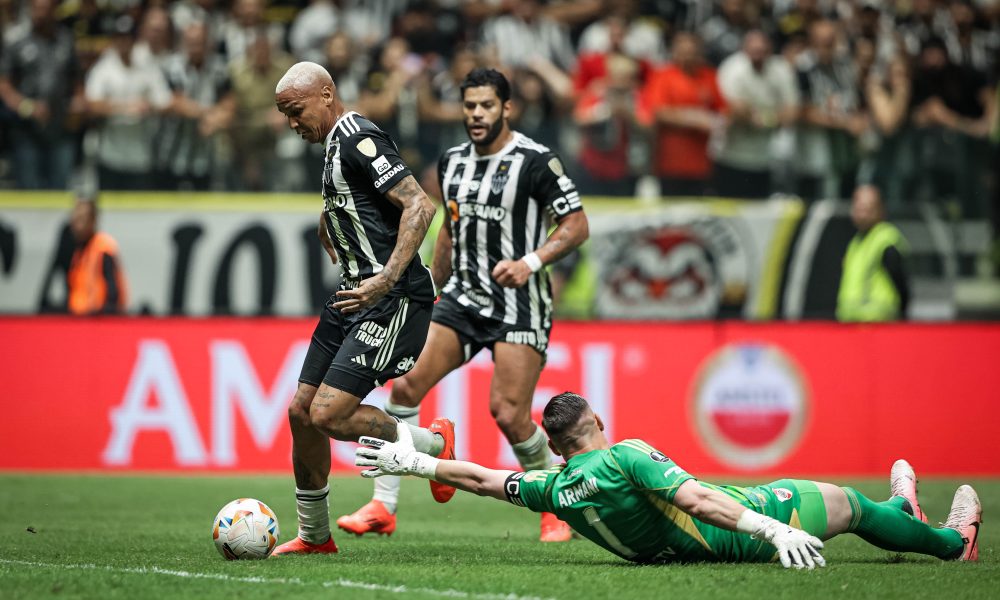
[
  {"x": 886, "y": 525},
  {"x": 533, "y": 453},
  {"x": 387, "y": 486},
  {"x": 314, "y": 514}
]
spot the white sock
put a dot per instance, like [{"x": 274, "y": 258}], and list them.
[
  {"x": 533, "y": 453},
  {"x": 425, "y": 441},
  {"x": 387, "y": 486},
  {"x": 314, "y": 514}
]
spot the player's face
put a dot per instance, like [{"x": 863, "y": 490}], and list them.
[
  {"x": 307, "y": 113},
  {"x": 485, "y": 114}
]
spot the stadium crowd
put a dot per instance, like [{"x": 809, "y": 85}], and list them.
[{"x": 740, "y": 98}]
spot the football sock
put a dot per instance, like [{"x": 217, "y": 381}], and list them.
[
  {"x": 387, "y": 486},
  {"x": 533, "y": 453},
  {"x": 314, "y": 514},
  {"x": 888, "y": 526},
  {"x": 424, "y": 440}
]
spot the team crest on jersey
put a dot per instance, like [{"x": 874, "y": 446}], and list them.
[
  {"x": 499, "y": 179},
  {"x": 782, "y": 494},
  {"x": 658, "y": 456},
  {"x": 556, "y": 166},
  {"x": 367, "y": 147}
]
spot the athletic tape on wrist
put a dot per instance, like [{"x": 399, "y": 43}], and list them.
[{"x": 534, "y": 263}]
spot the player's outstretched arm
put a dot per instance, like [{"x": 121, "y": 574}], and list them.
[
  {"x": 401, "y": 458},
  {"x": 796, "y": 548}
]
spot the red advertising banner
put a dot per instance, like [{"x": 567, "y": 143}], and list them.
[{"x": 721, "y": 398}]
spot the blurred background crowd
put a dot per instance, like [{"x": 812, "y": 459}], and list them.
[{"x": 736, "y": 98}]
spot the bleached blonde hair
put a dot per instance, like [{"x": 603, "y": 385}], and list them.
[{"x": 303, "y": 75}]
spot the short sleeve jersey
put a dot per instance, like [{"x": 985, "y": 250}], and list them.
[
  {"x": 622, "y": 500},
  {"x": 362, "y": 164},
  {"x": 501, "y": 207}
]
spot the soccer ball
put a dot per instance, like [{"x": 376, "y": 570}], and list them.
[{"x": 245, "y": 529}]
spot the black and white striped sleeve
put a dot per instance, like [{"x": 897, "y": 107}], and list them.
[{"x": 551, "y": 186}]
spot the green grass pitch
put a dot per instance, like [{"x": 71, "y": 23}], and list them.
[{"x": 90, "y": 536}]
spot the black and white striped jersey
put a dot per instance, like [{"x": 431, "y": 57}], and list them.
[
  {"x": 500, "y": 207},
  {"x": 361, "y": 165}
]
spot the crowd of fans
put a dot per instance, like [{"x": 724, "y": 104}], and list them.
[{"x": 741, "y": 98}]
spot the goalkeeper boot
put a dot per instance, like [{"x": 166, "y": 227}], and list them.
[
  {"x": 370, "y": 518},
  {"x": 300, "y": 546},
  {"x": 446, "y": 429},
  {"x": 965, "y": 517},
  {"x": 903, "y": 482},
  {"x": 554, "y": 530}
]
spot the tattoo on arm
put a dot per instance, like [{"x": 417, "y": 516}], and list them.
[
  {"x": 413, "y": 223},
  {"x": 572, "y": 231}
]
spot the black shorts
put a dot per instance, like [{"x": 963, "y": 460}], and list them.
[
  {"x": 358, "y": 352},
  {"x": 476, "y": 332}
]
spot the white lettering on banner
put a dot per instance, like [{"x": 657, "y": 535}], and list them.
[
  {"x": 154, "y": 373},
  {"x": 236, "y": 385}
]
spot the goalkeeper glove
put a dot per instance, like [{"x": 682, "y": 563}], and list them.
[
  {"x": 796, "y": 548},
  {"x": 394, "y": 458}
]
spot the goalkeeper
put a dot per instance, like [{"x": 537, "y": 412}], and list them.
[{"x": 633, "y": 501}]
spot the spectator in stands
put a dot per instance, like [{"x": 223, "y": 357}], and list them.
[
  {"x": 873, "y": 284},
  {"x": 244, "y": 26},
  {"x": 389, "y": 96},
  {"x": 203, "y": 105},
  {"x": 723, "y": 33},
  {"x": 41, "y": 84},
  {"x": 540, "y": 95},
  {"x": 440, "y": 102},
  {"x": 156, "y": 37},
  {"x": 797, "y": 20},
  {"x": 258, "y": 123},
  {"x": 762, "y": 93},
  {"x": 925, "y": 20},
  {"x": 91, "y": 24},
  {"x": 312, "y": 27},
  {"x": 127, "y": 96},
  {"x": 370, "y": 23},
  {"x": 606, "y": 115},
  {"x": 952, "y": 108},
  {"x": 591, "y": 65},
  {"x": 831, "y": 116},
  {"x": 95, "y": 281},
  {"x": 624, "y": 31},
  {"x": 969, "y": 45},
  {"x": 526, "y": 34},
  {"x": 187, "y": 12},
  {"x": 887, "y": 95},
  {"x": 687, "y": 109},
  {"x": 348, "y": 68}
]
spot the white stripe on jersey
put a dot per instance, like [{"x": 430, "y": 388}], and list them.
[
  {"x": 482, "y": 243},
  {"x": 352, "y": 261},
  {"x": 341, "y": 185},
  {"x": 463, "y": 236},
  {"x": 508, "y": 200},
  {"x": 531, "y": 221}
]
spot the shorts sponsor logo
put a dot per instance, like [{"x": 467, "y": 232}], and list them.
[
  {"x": 405, "y": 365},
  {"x": 371, "y": 333},
  {"x": 389, "y": 175},
  {"x": 367, "y": 147},
  {"x": 536, "y": 339},
  {"x": 750, "y": 405},
  {"x": 783, "y": 494},
  {"x": 478, "y": 297},
  {"x": 658, "y": 456},
  {"x": 381, "y": 164}
]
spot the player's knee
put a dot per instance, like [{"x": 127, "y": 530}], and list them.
[
  {"x": 508, "y": 416},
  {"x": 404, "y": 393},
  {"x": 331, "y": 422},
  {"x": 298, "y": 410}
]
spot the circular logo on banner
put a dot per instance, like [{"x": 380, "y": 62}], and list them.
[
  {"x": 684, "y": 270},
  {"x": 750, "y": 405}
]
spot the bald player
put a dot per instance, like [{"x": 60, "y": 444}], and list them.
[
  {"x": 374, "y": 218},
  {"x": 633, "y": 501}
]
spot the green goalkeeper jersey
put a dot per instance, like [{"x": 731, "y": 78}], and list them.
[{"x": 622, "y": 500}]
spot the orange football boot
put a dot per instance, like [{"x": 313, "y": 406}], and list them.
[
  {"x": 446, "y": 429},
  {"x": 373, "y": 517},
  {"x": 554, "y": 530},
  {"x": 300, "y": 546}
]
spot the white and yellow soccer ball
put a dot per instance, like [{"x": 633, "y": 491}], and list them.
[{"x": 245, "y": 529}]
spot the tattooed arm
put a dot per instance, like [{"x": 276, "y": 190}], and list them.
[
  {"x": 413, "y": 223},
  {"x": 441, "y": 265},
  {"x": 571, "y": 231},
  {"x": 324, "y": 238}
]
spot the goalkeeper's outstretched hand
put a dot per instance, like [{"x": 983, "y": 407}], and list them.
[
  {"x": 796, "y": 548},
  {"x": 393, "y": 458}
]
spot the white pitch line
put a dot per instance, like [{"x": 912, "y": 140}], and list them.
[{"x": 341, "y": 583}]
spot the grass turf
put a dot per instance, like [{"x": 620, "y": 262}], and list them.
[{"x": 125, "y": 537}]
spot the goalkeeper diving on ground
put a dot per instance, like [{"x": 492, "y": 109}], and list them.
[{"x": 635, "y": 502}]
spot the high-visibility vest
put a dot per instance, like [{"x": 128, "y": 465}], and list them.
[
  {"x": 88, "y": 291},
  {"x": 867, "y": 293}
]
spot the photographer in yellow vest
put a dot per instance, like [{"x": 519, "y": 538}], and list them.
[{"x": 873, "y": 285}]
